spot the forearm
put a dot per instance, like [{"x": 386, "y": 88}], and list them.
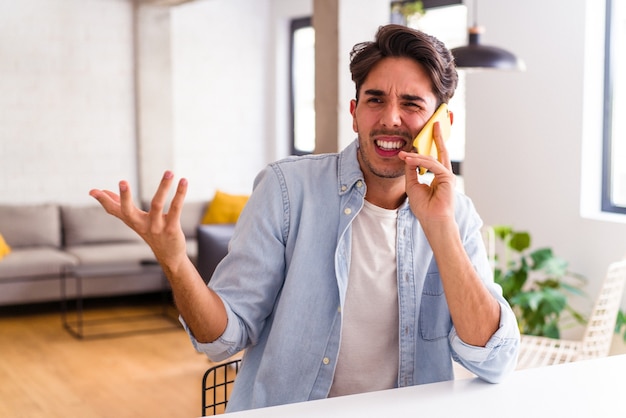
[
  {"x": 474, "y": 311},
  {"x": 201, "y": 308}
]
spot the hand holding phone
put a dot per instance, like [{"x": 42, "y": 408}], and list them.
[{"x": 424, "y": 142}]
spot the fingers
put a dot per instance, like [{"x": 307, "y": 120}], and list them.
[
  {"x": 176, "y": 206},
  {"x": 123, "y": 207},
  {"x": 414, "y": 161},
  {"x": 126, "y": 199},
  {"x": 158, "y": 201},
  {"x": 108, "y": 200},
  {"x": 442, "y": 152},
  {"x": 412, "y": 164},
  {"x": 158, "y": 217},
  {"x": 157, "y": 204},
  {"x": 113, "y": 196},
  {"x": 179, "y": 197}
]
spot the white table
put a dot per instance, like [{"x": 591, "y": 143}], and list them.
[{"x": 591, "y": 388}]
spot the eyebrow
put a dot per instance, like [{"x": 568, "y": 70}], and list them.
[{"x": 380, "y": 93}]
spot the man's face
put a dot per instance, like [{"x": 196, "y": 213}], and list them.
[{"x": 395, "y": 102}]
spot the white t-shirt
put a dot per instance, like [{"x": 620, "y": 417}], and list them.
[{"x": 368, "y": 355}]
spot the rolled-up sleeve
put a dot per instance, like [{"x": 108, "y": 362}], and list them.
[
  {"x": 225, "y": 346},
  {"x": 498, "y": 357}
]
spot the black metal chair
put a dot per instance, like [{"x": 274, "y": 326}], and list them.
[{"x": 217, "y": 384}]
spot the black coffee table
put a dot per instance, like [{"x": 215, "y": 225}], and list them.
[{"x": 111, "y": 325}]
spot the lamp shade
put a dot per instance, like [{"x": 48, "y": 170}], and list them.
[{"x": 478, "y": 56}]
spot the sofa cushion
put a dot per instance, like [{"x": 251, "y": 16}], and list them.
[
  {"x": 224, "y": 208},
  {"x": 121, "y": 253},
  {"x": 30, "y": 225},
  {"x": 5, "y": 249},
  {"x": 93, "y": 225},
  {"x": 36, "y": 261},
  {"x": 213, "y": 243},
  {"x": 191, "y": 217}
]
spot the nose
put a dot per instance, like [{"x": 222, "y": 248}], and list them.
[{"x": 390, "y": 116}]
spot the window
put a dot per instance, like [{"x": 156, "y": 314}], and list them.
[
  {"x": 302, "y": 86},
  {"x": 614, "y": 141}
]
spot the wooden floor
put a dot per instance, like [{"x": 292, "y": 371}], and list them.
[{"x": 46, "y": 372}]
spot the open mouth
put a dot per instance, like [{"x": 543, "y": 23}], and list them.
[
  {"x": 389, "y": 145},
  {"x": 386, "y": 147}
]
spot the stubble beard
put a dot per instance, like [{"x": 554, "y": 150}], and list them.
[{"x": 386, "y": 173}]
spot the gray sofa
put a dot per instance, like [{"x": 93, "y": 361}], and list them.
[{"x": 45, "y": 238}]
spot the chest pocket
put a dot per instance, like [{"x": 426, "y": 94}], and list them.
[{"x": 434, "y": 319}]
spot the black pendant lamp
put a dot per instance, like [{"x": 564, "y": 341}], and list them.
[{"x": 476, "y": 56}]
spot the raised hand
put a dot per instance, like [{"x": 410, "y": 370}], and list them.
[
  {"x": 163, "y": 233},
  {"x": 161, "y": 230}
]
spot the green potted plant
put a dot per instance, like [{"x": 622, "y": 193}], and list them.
[
  {"x": 536, "y": 284},
  {"x": 620, "y": 325}
]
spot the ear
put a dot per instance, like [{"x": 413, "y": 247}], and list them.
[{"x": 353, "y": 113}]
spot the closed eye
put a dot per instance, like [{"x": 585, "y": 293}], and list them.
[{"x": 412, "y": 104}]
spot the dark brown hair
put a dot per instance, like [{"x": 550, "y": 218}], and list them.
[{"x": 402, "y": 41}]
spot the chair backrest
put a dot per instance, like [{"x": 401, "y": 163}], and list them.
[
  {"x": 598, "y": 335},
  {"x": 217, "y": 384}
]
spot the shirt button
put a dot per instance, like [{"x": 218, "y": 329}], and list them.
[
  {"x": 347, "y": 211},
  {"x": 359, "y": 183},
  {"x": 339, "y": 309},
  {"x": 326, "y": 360},
  {"x": 344, "y": 188}
]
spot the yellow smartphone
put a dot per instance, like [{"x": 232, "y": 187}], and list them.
[{"x": 424, "y": 142}]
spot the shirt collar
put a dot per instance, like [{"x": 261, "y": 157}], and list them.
[{"x": 349, "y": 169}]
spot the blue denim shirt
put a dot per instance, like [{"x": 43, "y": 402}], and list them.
[{"x": 285, "y": 277}]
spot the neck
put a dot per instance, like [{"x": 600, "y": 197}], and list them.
[{"x": 385, "y": 193}]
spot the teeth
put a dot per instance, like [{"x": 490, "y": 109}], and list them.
[{"x": 389, "y": 144}]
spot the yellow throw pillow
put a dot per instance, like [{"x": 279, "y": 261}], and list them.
[
  {"x": 224, "y": 208},
  {"x": 4, "y": 247}
]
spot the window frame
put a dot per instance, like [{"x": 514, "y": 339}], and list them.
[{"x": 610, "y": 72}]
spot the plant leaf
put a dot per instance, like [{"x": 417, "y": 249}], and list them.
[
  {"x": 553, "y": 266},
  {"x": 502, "y": 231},
  {"x": 520, "y": 241},
  {"x": 540, "y": 256},
  {"x": 551, "y": 330}
]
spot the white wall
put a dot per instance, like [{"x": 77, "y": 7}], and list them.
[
  {"x": 525, "y": 131},
  {"x": 67, "y": 123},
  {"x": 66, "y": 98},
  {"x": 220, "y": 50},
  {"x": 67, "y": 108}
]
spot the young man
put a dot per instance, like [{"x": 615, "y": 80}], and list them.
[{"x": 346, "y": 274}]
